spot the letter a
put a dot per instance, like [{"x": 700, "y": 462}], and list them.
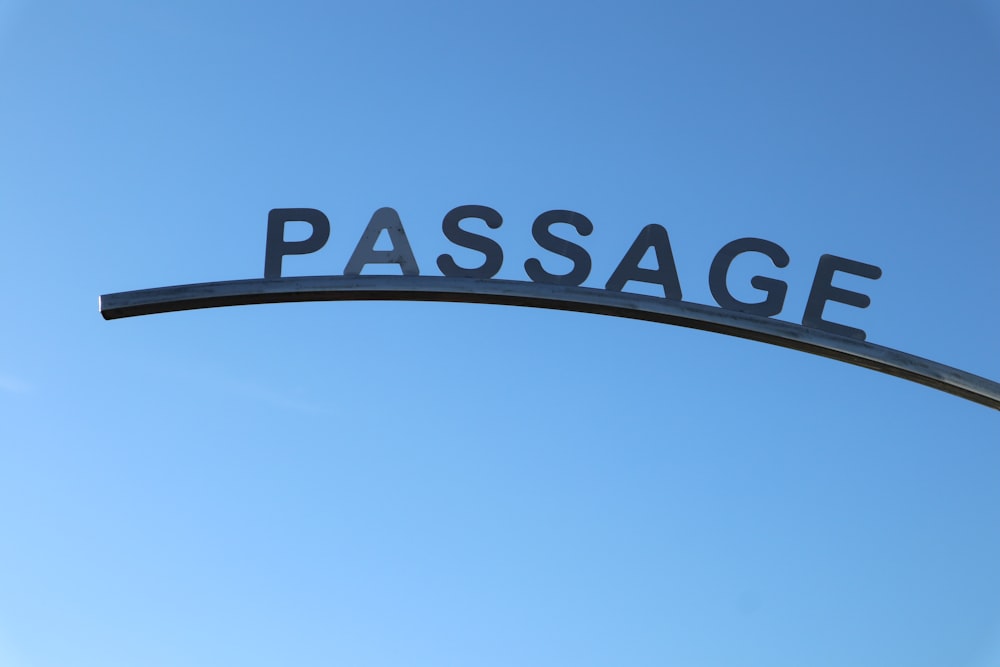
[
  {"x": 365, "y": 252},
  {"x": 651, "y": 236}
]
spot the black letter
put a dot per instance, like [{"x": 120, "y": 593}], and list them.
[
  {"x": 823, "y": 291},
  {"x": 466, "y": 239},
  {"x": 365, "y": 253},
  {"x": 775, "y": 289},
  {"x": 545, "y": 238},
  {"x": 277, "y": 247},
  {"x": 651, "y": 236}
]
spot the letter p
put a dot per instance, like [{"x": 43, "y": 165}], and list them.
[{"x": 277, "y": 247}]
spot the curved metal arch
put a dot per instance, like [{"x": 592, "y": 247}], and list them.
[{"x": 558, "y": 297}]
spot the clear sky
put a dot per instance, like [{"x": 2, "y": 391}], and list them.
[{"x": 415, "y": 484}]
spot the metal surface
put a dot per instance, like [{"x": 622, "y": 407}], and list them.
[{"x": 559, "y": 297}]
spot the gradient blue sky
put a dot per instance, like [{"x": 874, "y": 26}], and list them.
[{"x": 439, "y": 484}]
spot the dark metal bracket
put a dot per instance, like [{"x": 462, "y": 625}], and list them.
[{"x": 559, "y": 297}]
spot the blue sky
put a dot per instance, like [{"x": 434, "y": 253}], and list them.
[{"x": 446, "y": 484}]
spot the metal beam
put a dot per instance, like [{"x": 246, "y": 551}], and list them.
[{"x": 540, "y": 295}]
